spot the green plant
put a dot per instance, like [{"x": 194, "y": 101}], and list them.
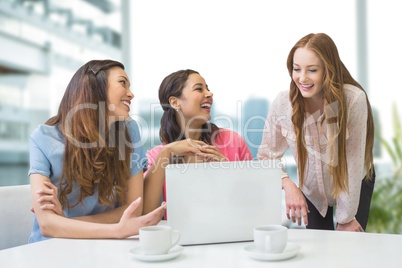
[{"x": 386, "y": 204}]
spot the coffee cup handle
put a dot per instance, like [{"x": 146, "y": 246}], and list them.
[
  {"x": 268, "y": 243},
  {"x": 176, "y": 237}
]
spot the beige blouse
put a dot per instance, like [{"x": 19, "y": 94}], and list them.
[{"x": 279, "y": 135}]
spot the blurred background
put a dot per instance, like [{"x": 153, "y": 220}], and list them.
[{"x": 239, "y": 46}]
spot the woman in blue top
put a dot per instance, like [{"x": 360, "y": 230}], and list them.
[{"x": 86, "y": 163}]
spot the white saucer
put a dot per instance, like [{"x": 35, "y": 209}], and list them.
[
  {"x": 173, "y": 253},
  {"x": 290, "y": 251}
]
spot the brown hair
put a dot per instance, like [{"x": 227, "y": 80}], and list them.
[
  {"x": 170, "y": 131},
  {"x": 94, "y": 158},
  {"x": 336, "y": 76}
]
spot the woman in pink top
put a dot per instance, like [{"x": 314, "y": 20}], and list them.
[
  {"x": 187, "y": 135},
  {"x": 325, "y": 119}
]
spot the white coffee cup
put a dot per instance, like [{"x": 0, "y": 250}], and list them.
[
  {"x": 159, "y": 239},
  {"x": 270, "y": 238}
]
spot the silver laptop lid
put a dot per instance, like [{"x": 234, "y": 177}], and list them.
[{"x": 219, "y": 202}]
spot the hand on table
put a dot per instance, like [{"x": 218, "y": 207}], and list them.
[
  {"x": 296, "y": 205},
  {"x": 353, "y": 226},
  {"x": 130, "y": 224}
]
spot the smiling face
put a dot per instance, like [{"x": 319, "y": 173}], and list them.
[
  {"x": 195, "y": 102},
  {"x": 119, "y": 95},
  {"x": 308, "y": 74}
]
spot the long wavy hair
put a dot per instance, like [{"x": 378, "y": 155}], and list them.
[
  {"x": 335, "y": 77},
  {"x": 170, "y": 131},
  {"x": 94, "y": 158}
]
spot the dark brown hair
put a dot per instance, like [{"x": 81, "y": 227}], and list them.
[{"x": 170, "y": 131}]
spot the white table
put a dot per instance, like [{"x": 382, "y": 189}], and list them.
[{"x": 318, "y": 249}]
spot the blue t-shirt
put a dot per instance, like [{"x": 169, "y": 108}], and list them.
[{"x": 46, "y": 158}]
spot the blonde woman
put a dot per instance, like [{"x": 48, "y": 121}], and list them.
[{"x": 326, "y": 121}]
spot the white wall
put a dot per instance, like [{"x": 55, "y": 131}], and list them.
[{"x": 241, "y": 46}]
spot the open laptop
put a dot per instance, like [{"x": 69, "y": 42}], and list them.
[{"x": 219, "y": 202}]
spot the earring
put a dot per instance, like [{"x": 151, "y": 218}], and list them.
[{"x": 177, "y": 109}]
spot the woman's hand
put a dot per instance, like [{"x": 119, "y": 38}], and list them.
[
  {"x": 353, "y": 226},
  {"x": 49, "y": 198},
  {"x": 296, "y": 205},
  {"x": 130, "y": 224},
  {"x": 185, "y": 147},
  {"x": 211, "y": 153},
  {"x": 197, "y": 148}
]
